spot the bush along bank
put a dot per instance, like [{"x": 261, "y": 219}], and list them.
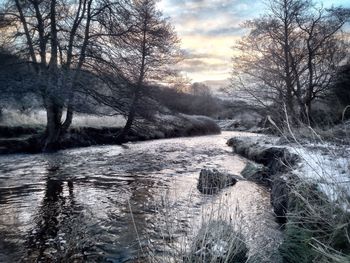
[
  {"x": 312, "y": 207},
  {"x": 29, "y": 140}
]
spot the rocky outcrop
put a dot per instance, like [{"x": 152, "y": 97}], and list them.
[
  {"x": 211, "y": 181},
  {"x": 272, "y": 168}
]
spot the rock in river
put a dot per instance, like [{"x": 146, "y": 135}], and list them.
[{"x": 211, "y": 181}]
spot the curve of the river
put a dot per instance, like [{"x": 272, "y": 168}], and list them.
[{"x": 135, "y": 203}]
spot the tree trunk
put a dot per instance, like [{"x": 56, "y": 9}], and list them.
[
  {"x": 138, "y": 87},
  {"x": 76, "y": 76},
  {"x": 288, "y": 77},
  {"x": 69, "y": 118},
  {"x": 1, "y": 112},
  {"x": 53, "y": 106},
  {"x": 130, "y": 120},
  {"x": 308, "y": 105},
  {"x": 53, "y": 127}
]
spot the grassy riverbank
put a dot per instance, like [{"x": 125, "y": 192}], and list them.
[
  {"x": 309, "y": 182},
  {"x": 90, "y": 130}
]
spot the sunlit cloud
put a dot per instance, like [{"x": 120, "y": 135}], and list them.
[
  {"x": 207, "y": 57},
  {"x": 209, "y": 28}
]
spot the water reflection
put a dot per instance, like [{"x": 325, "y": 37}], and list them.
[{"x": 57, "y": 206}]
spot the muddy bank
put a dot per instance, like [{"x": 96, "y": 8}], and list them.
[{"x": 29, "y": 139}]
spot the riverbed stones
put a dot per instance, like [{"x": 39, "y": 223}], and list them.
[{"x": 211, "y": 181}]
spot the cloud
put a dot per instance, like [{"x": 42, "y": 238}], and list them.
[
  {"x": 209, "y": 28},
  {"x": 199, "y": 65},
  {"x": 222, "y": 31},
  {"x": 207, "y": 57},
  {"x": 194, "y": 54}
]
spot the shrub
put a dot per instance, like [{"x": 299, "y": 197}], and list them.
[{"x": 217, "y": 241}]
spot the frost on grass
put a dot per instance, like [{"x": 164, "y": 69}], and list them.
[
  {"x": 14, "y": 118},
  {"x": 217, "y": 241},
  {"x": 321, "y": 163},
  {"x": 327, "y": 166}
]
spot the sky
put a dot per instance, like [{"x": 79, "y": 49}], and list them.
[{"x": 209, "y": 28}]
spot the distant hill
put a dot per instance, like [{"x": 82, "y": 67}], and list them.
[{"x": 216, "y": 85}]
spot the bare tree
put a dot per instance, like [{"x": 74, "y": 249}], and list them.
[
  {"x": 200, "y": 89},
  {"x": 60, "y": 40},
  {"x": 41, "y": 29},
  {"x": 261, "y": 67},
  {"x": 324, "y": 52},
  {"x": 276, "y": 63},
  {"x": 146, "y": 54}
]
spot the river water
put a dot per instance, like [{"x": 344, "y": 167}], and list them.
[{"x": 131, "y": 203}]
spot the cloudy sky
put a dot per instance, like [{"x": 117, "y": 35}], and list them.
[{"x": 208, "y": 30}]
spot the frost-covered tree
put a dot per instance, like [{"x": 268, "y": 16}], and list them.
[
  {"x": 146, "y": 54},
  {"x": 59, "y": 39},
  {"x": 290, "y": 57}
]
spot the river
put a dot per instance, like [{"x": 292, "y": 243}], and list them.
[{"x": 131, "y": 203}]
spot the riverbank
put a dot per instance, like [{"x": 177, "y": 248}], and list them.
[
  {"x": 310, "y": 188},
  {"x": 27, "y": 139}
]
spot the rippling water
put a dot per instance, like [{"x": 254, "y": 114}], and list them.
[{"x": 123, "y": 204}]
